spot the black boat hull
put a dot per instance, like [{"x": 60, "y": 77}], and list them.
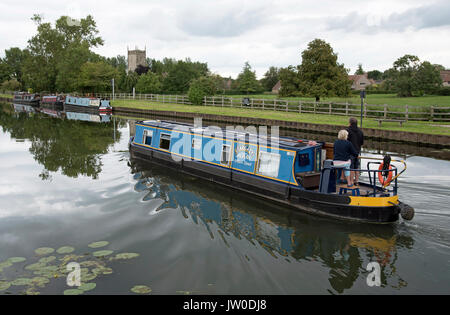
[{"x": 329, "y": 205}]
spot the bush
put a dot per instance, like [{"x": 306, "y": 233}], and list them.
[
  {"x": 199, "y": 88},
  {"x": 11, "y": 85}
]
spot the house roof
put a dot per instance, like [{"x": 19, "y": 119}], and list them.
[
  {"x": 277, "y": 86},
  {"x": 445, "y": 75}
]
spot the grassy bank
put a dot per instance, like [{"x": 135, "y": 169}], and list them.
[
  {"x": 420, "y": 127},
  {"x": 6, "y": 95},
  {"x": 372, "y": 99}
]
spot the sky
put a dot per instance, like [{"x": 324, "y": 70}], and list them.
[{"x": 227, "y": 33}]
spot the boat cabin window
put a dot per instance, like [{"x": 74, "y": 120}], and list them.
[
  {"x": 226, "y": 152},
  {"x": 147, "y": 137},
  {"x": 196, "y": 144},
  {"x": 269, "y": 164},
  {"x": 164, "y": 141}
]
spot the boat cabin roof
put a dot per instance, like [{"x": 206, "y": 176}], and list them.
[{"x": 286, "y": 142}]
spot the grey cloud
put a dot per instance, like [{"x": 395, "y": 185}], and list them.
[
  {"x": 221, "y": 20},
  {"x": 433, "y": 15}
]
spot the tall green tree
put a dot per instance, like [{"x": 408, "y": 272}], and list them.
[
  {"x": 149, "y": 83},
  {"x": 320, "y": 74},
  {"x": 201, "y": 87},
  {"x": 375, "y": 75},
  {"x": 410, "y": 77},
  {"x": 271, "y": 77},
  {"x": 96, "y": 77},
  {"x": 55, "y": 50},
  {"x": 290, "y": 81},
  {"x": 360, "y": 70},
  {"x": 181, "y": 74},
  {"x": 246, "y": 80}
]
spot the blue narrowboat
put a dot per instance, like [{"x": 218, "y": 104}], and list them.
[
  {"x": 87, "y": 104},
  {"x": 285, "y": 170},
  {"x": 31, "y": 99}
]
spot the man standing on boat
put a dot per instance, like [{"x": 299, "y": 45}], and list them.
[{"x": 356, "y": 137}]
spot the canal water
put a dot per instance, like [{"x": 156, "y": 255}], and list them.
[{"x": 69, "y": 192}]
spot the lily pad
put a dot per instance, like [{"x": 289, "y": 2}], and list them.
[
  {"x": 65, "y": 250},
  {"x": 86, "y": 277},
  {"x": 98, "y": 244},
  {"x": 21, "y": 281},
  {"x": 102, "y": 253},
  {"x": 35, "y": 266},
  {"x": 87, "y": 286},
  {"x": 5, "y": 264},
  {"x": 32, "y": 291},
  {"x": 125, "y": 256},
  {"x": 44, "y": 251},
  {"x": 141, "y": 289},
  {"x": 102, "y": 271},
  {"x": 46, "y": 260},
  {"x": 4, "y": 285},
  {"x": 73, "y": 292},
  {"x": 39, "y": 281},
  {"x": 14, "y": 260}
]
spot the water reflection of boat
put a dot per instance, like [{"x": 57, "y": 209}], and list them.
[
  {"x": 288, "y": 171},
  {"x": 345, "y": 248},
  {"x": 88, "y": 117},
  {"x": 21, "y": 108}
]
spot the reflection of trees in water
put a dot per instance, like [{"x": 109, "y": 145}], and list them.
[
  {"x": 67, "y": 145},
  {"x": 344, "y": 248}
]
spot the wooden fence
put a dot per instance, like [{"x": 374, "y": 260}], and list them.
[{"x": 396, "y": 112}]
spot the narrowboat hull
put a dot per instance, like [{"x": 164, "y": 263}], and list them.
[
  {"x": 87, "y": 109},
  {"x": 361, "y": 209},
  {"x": 34, "y": 103}
]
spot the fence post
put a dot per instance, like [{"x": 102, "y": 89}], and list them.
[
  {"x": 223, "y": 101},
  {"x": 432, "y": 113},
  {"x": 274, "y": 104},
  {"x": 330, "y": 108},
  {"x": 204, "y": 100},
  {"x": 287, "y": 105},
  {"x": 346, "y": 108},
  {"x": 385, "y": 111},
  {"x": 263, "y": 104},
  {"x": 406, "y": 112},
  {"x": 315, "y": 107},
  {"x": 299, "y": 107}
]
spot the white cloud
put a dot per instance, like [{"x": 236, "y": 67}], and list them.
[{"x": 226, "y": 34}]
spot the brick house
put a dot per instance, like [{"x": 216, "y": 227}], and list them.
[
  {"x": 445, "y": 76},
  {"x": 276, "y": 88},
  {"x": 360, "y": 81}
]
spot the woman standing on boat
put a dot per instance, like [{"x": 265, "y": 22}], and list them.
[{"x": 344, "y": 151}]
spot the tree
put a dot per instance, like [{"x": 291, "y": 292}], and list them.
[
  {"x": 180, "y": 75},
  {"x": 375, "y": 75},
  {"x": 140, "y": 69},
  {"x": 360, "y": 70},
  {"x": 271, "y": 77},
  {"x": 11, "y": 85},
  {"x": 290, "y": 81},
  {"x": 131, "y": 80},
  {"x": 201, "y": 87},
  {"x": 13, "y": 61},
  {"x": 149, "y": 83},
  {"x": 56, "y": 53},
  {"x": 96, "y": 77},
  {"x": 409, "y": 77},
  {"x": 320, "y": 74},
  {"x": 246, "y": 80},
  {"x": 428, "y": 78}
]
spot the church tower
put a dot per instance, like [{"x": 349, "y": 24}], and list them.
[{"x": 135, "y": 58}]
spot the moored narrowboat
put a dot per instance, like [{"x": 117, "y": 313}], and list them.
[
  {"x": 289, "y": 171},
  {"x": 31, "y": 99},
  {"x": 90, "y": 105},
  {"x": 52, "y": 103}
]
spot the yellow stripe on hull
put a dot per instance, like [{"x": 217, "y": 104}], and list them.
[{"x": 373, "y": 201}]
